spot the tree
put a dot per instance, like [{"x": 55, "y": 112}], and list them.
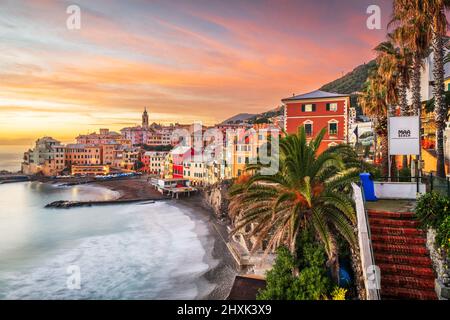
[
  {"x": 373, "y": 103},
  {"x": 310, "y": 190},
  {"x": 436, "y": 11},
  {"x": 394, "y": 68},
  {"x": 414, "y": 33}
]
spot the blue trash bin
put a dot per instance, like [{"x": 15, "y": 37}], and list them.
[{"x": 368, "y": 187}]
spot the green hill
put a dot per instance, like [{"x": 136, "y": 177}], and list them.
[{"x": 351, "y": 83}]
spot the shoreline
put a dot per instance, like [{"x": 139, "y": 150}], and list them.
[{"x": 223, "y": 268}]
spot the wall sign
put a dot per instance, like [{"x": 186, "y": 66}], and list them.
[{"x": 404, "y": 135}]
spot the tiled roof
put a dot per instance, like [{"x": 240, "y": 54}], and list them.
[{"x": 318, "y": 94}]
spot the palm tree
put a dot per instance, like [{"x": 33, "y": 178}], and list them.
[
  {"x": 394, "y": 68},
  {"x": 310, "y": 190},
  {"x": 436, "y": 11},
  {"x": 414, "y": 33},
  {"x": 400, "y": 58},
  {"x": 373, "y": 103}
]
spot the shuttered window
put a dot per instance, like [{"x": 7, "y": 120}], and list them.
[{"x": 308, "y": 107}]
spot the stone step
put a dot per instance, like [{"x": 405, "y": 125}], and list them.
[
  {"x": 387, "y": 258},
  {"x": 406, "y": 293},
  {"x": 393, "y": 223},
  {"x": 392, "y": 231},
  {"x": 400, "y": 269},
  {"x": 400, "y": 249},
  {"x": 390, "y": 280},
  {"x": 398, "y": 239},
  {"x": 390, "y": 215}
]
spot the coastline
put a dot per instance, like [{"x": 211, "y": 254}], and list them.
[
  {"x": 223, "y": 267},
  {"x": 217, "y": 281}
]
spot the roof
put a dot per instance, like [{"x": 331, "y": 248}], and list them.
[
  {"x": 246, "y": 288},
  {"x": 318, "y": 94}
]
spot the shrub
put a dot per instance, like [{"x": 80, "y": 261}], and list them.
[
  {"x": 404, "y": 174},
  {"x": 443, "y": 233},
  {"x": 311, "y": 282},
  {"x": 280, "y": 278},
  {"x": 431, "y": 209},
  {"x": 338, "y": 293}
]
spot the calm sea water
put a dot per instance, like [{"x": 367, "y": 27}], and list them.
[
  {"x": 11, "y": 157},
  {"x": 136, "y": 251}
]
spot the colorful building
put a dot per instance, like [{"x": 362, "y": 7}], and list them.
[
  {"x": 83, "y": 154},
  {"x": 46, "y": 158},
  {"x": 104, "y": 137},
  {"x": 175, "y": 161},
  {"x": 317, "y": 110},
  {"x": 154, "y": 162}
]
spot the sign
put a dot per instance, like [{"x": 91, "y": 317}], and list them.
[{"x": 404, "y": 135}]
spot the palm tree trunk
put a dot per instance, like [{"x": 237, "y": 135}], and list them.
[
  {"x": 404, "y": 110},
  {"x": 415, "y": 86},
  {"x": 440, "y": 108},
  {"x": 402, "y": 96},
  {"x": 384, "y": 154}
]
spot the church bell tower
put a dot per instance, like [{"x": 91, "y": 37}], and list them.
[{"x": 145, "y": 119}]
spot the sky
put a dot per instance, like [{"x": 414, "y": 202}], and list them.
[{"x": 185, "y": 61}]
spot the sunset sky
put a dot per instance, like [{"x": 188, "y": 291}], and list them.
[{"x": 184, "y": 60}]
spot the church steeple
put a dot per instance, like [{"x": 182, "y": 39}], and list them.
[{"x": 145, "y": 119}]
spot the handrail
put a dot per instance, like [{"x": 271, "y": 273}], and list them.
[{"x": 365, "y": 246}]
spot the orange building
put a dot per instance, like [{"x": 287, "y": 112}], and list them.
[
  {"x": 80, "y": 154},
  {"x": 317, "y": 110}
]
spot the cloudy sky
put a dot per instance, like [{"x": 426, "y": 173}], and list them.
[{"x": 184, "y": 60}]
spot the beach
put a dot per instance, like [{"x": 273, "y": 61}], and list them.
[
  {"x": 170, "y": 249},
  {"x": 214, "y": 239}
]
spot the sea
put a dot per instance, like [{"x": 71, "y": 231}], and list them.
[{"x": 134, "y": 251}]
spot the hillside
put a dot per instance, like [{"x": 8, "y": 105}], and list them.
[
  {"x": 241, "y": 117},
  {"x": 351, "y": 83}
]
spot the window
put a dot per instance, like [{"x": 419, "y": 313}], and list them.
[
  {"x": 308, "y": 129},
  {"x": 308, "y": 107},
  {"x": 332, "y": 128},
  {"x": 332, "y": 106}
]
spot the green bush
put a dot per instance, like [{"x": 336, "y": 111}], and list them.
[
  {"x": 311, "y": 283},
  {"x": 431, "y": 209},
  {"x": 404, "y": 174},
  {"x": 443, "y": 233}
]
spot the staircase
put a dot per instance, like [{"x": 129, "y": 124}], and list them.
[{"x": 400, "y": 252}]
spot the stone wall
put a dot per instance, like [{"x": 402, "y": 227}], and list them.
[
  {"x": 441, "y": 265},
  {"x": 215, "y": 197}
]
